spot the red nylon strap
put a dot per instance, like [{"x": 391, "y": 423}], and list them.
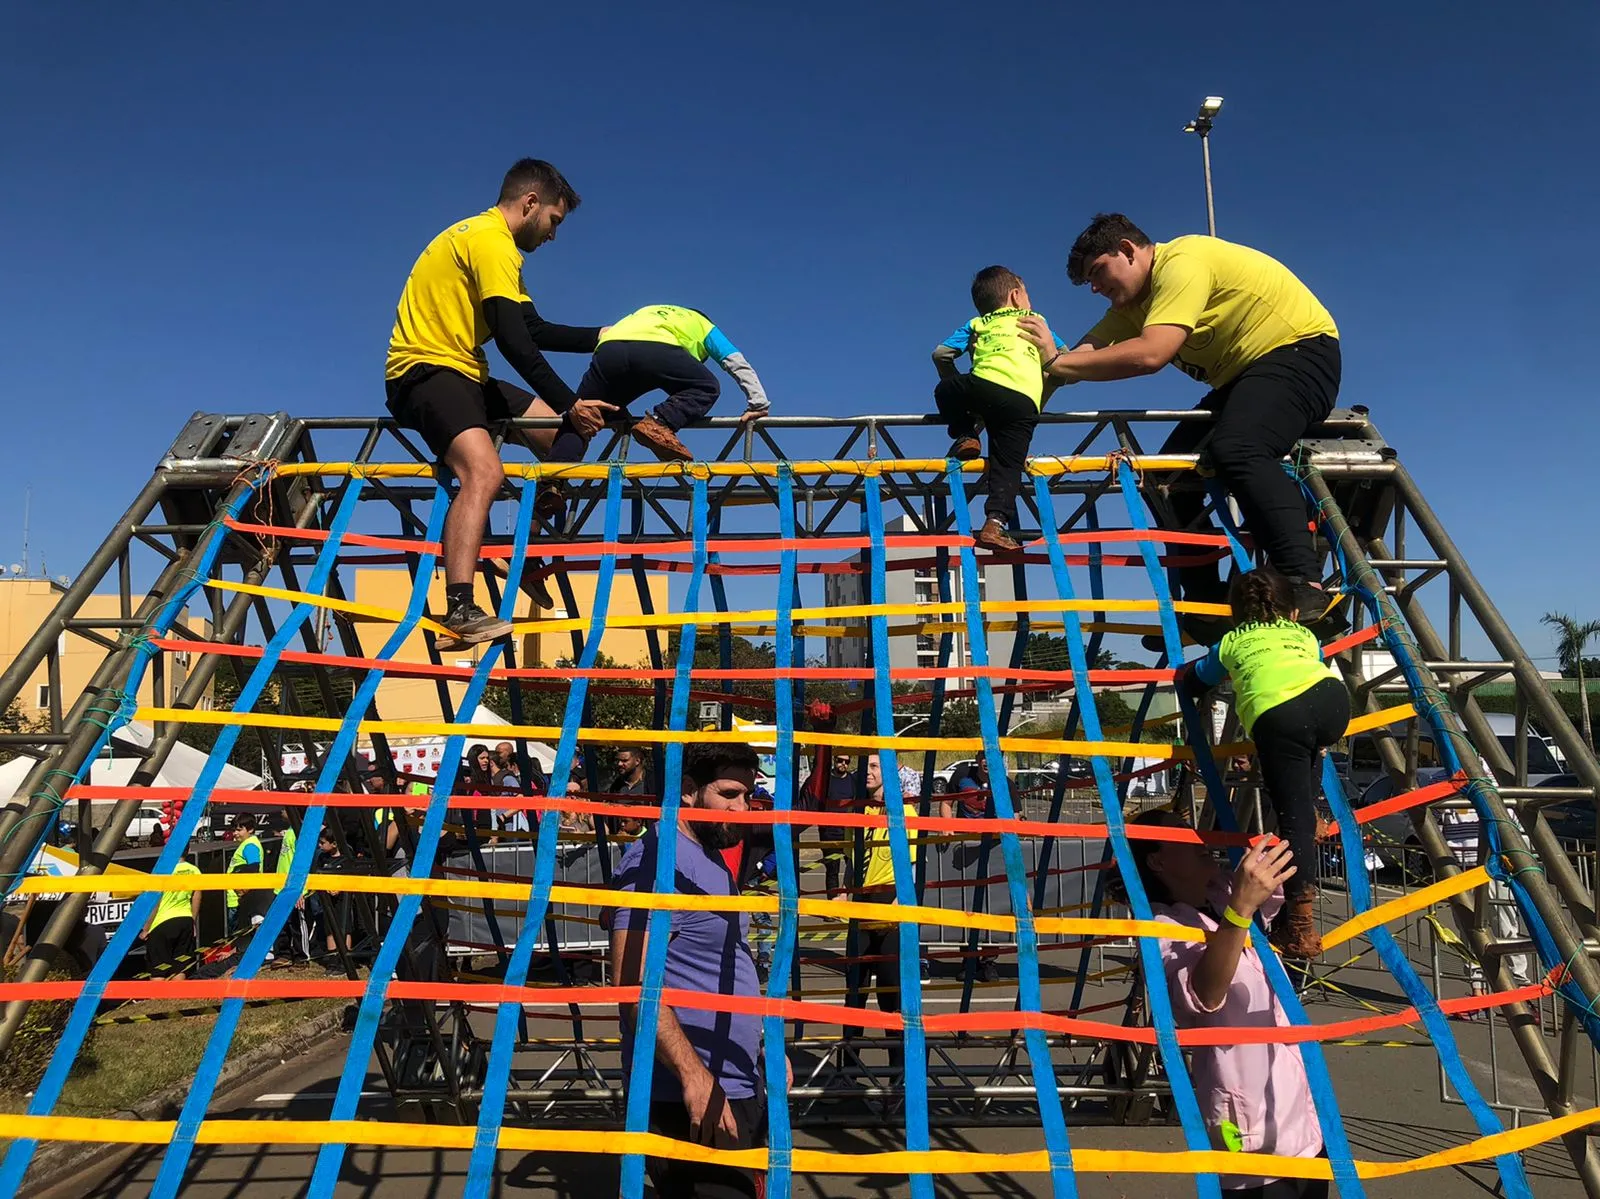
[{"x": 212, "y": 990}]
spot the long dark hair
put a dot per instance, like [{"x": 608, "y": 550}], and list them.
[
  {"x": 480, "y": 777},
  {"x": 1142, "y": 849},
  {"x": 1260, "y": 596}
]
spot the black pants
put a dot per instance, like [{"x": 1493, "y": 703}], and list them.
[
  {"x": 683, "y": 1180},
  {"x": 622, "y": 371},
  {"x": 1285, "y": 1188},
  {"x": 1289, "y": 740},
  {"x": 1010, "y": 418},
  {"x": 169, "y": 948},
  {"x": 1260, "y": 415}
]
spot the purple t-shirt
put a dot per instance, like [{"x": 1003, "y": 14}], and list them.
[{"x": 708, "y": 951}]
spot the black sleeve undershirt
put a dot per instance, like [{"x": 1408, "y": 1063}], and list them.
[{"x": 511, "y": 326}]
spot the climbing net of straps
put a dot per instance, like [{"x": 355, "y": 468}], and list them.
[{"x": 1083, "y": 619}]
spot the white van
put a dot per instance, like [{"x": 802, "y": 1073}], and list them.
[{"x": 1366, "y": 766}]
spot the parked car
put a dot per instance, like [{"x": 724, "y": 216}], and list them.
[
  {"x": 148, "y": 826},
  {"x": 1570, "y": 819},
  {"x": 1366, "y": 765},
  {"x": 1394, "y": 836}
]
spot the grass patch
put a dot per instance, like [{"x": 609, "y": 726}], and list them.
[{"x": 125, "y": 1064}]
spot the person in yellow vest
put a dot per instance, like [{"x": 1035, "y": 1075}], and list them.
[
  {"x": 464, "y": 291},
  {"x": 662, "y": 347},
  {"x": 245, "y": 909},
  {"x": 1003, "y": 393},
  {"x": 878, "y": 945},
  {"x": 1294, "y": 705},
  {"x": 1239, "y": 321},
  {"x": 170, "y": 937}
]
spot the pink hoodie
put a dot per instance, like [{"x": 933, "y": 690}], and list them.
[{"x": 1261, "y": 1089}]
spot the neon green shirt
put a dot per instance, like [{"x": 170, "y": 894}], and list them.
[
  {"x": 175, "y": 904},
  {"x": 1000, "y": 352},
  {"x": 1270, "y": 664}
]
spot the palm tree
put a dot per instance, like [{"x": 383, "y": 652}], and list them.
[{"x": 1572, "y": 639}]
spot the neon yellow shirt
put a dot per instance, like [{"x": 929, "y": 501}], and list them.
[
  {"x": 1000, "y": 352},
  {"x": 1270, "y": 664},
  {"x": 1237, "y": 304},
  {"x": 175, "y": 904},
  {"x": 666, "y": 324}
]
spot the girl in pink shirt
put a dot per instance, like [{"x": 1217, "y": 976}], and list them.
[{"x": 1255, "y": 1098}]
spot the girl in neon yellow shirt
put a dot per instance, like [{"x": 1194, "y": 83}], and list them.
[{"x": 1294, "y": 705}]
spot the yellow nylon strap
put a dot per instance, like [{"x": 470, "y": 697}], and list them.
[
  {"x": 830, "y": 909},
  {"x": 810, "y": 1161},
  {"x": 1047, "y": 467},
  {"x": 1405, "y": 905},
  {"x": 656, "y": 620},
  {"x": 600, "y": 897},
  {"x": 419, "y": 728}
]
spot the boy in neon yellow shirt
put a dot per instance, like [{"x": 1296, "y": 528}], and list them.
[
  {"x": 662, "y": 347},
  {"x": 1003, "y": 393}
]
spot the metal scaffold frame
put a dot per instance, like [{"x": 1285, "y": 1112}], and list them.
[{"x": 251, "y": 517}]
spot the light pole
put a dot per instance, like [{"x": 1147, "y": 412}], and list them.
[{"x": 1209, "y": 108}]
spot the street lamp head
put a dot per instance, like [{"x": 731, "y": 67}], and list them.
[{"x": 1211, "y": 106}]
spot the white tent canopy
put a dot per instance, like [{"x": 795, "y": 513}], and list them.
[{"x": 116, "y": 765}]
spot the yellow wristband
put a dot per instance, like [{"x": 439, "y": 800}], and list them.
[{"x": 1233, "y": 917}]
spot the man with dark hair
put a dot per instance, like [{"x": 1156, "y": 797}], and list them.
[
  {"x": 1240, "y": 321},
  {"x": 1004, "y": 394},
  {"x": 465, "y": 290},
  {"x": 706, "y": 1080}
]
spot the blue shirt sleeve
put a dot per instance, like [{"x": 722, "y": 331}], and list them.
[
  {"x": 1209, "y": 669},
  {"x": 1060, "y": 345},
  {"x": 252, "y": 855},
  {"x": 718, "y": 345},
  {"x": 959, "y": 341}
]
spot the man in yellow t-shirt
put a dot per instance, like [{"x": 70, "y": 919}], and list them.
[
  {"x": 464, "y": 291},
  {"x": 878, "y": 946},
  {"x": 1240, "y": 321}
]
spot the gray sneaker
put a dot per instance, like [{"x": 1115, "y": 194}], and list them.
[{"x": 470, "y": 624}]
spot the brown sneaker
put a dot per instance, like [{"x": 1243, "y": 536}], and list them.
[
  {"x": 660, "y": 440},
  {"x": 993, "y": 536},
  {"x": 1294, "y": 932},
  {"x": 965, "y": 449},
  {"x": 550, "y": 504}
]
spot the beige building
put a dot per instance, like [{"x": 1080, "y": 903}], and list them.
[
  {"x": 418, "y": 699},
  {"x": 25, "y": 604}
]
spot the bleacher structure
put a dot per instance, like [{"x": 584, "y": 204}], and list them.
[{"x": 256, "y": 522}]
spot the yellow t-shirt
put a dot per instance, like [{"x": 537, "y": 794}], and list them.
[
  {"x": 440, "y": 318},
  {"x": 880, "y": 858},
  {"x": 175, "y": 904},
  {"x": 1237, "y": 304}
]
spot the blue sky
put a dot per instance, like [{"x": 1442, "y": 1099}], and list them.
[{"x": 213, "y": 207}]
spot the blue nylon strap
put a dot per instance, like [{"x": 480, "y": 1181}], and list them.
[
  {"x": 915, "y": 1050},
  {"x": 1183, "y": 1094},
  {"x": 1224, "y": 514},
  {"x": 176, "y": 1160},
  {"x": 508, "y": 1016},
  {"x": 87, "y": 1005},
  {"x": 658, "y": 929},
  {"x": 1335, "y": 1140},
  {"x": 330, "y": 1158},
  {"x": 1029, "y": 995},
  {"x": 780, "y": 1139}
]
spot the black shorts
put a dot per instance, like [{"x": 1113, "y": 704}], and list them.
[
  {"x": 441, "y": 404},
  {"x": 169, "y": 947}
]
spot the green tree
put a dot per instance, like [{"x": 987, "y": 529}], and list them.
[
  {"x": 15, "y": 720},
  {"x": 1572, "y": 639}
]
